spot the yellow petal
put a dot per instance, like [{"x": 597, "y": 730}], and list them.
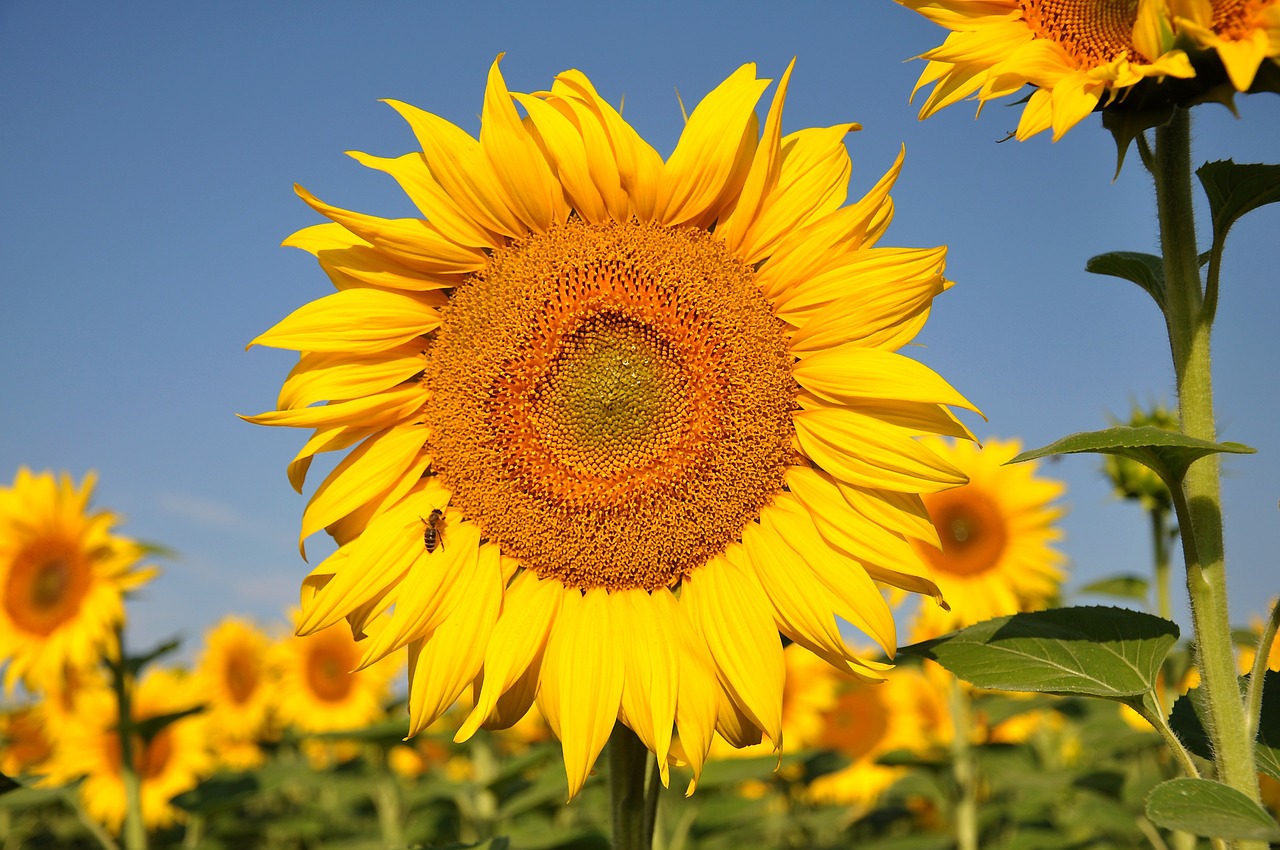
[
  {"x": 711, "y": 159},
  {"x": 850, "y": 373},
  {"x": 529, "y": 612},
  {"x": 354, "y": 321},
  {"x": 371, "y": 469},
  {"x": 762, "y": 176},
  {"x": 381, "y": 409},
  {"x": 866, "y": 451},
  {"x": 566, "y": 149},
  {"x": 650, "y": 665},
  {"x": 351, "y": 262},
  {"x": 602, "y": 163},
  {"x": 522, "y": 175},
  {"x": 431, "y": 591},
  {"x": 329, "y": 376},
  {"x": 735, "y": 618},
  {"x": 583, "y": 670},
  {"x": 416, "y": 243},
  {"x": 855, "y": 272},
  {"x": 448, "y": 659},
  {"x": 415, "y": 177},
  {"x": 696, "y": 699}
]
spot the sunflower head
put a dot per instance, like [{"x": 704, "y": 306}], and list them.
[
  {"x": 996, "y": 536},
  {"x": 616, "y": 420},
  {"x": 1078, "y": 55},
  {"x": 63, "y": 576}
]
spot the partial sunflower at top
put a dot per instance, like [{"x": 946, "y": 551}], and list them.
[{"x": 615, "y": 421}]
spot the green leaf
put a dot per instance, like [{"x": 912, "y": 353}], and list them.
[
  {"x": 1105, "y": 652},
  {"x": 1146, "y": 270},
  {"x": 148, "y": 728},
  {"x": 1205, "y": 807},
  {"x": 1125, "y": 587},
  {"x": 1169, "y": 453},
  {"x": 218, "y": 793},
  {"x": 135, "y": 663},
  {"x": 1235, "y": 189}
]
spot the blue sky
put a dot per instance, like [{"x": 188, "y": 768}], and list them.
[{"x": 147, "y": 155}]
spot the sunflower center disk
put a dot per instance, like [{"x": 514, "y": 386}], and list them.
[
  {"x": 1091, "y": 31},
  {"x": 611, "y": 403},
  {"x": 611, "y": 400},
  {"x": 971, "y": 529},
  {"x": 46, "y": 585}
]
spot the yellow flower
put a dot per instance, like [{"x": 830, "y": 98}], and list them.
[
  {"x": 1248, "y": 654},
  {"x": 319, "y": 688},
  {"x": 870, "y": 720},
  {"x": 173, "y": 761},
  {"x": 235, "y": 684},
  {"x": 617, "y": 420},
  {"x": 63, "y": 576},
  {"x": 1077, "y": 53},
  {"x": 1243, "y": 33},
  {"x": 997, "y": 534},
  {"x": 26, "y": 748}
]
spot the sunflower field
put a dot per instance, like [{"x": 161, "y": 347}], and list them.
[{"x": 646, "y": 528}]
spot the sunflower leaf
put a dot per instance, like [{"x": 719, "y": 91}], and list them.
[
  {"x": 1146, "y": 270},
  {"x": 1234, "y": 189},
  {"x": 1205, "y": 807},
  {"x": 1106, "y": 652},
  {"x": 1168, "y": 453},
  {"x": 149, "y": 727},
  {"x": 1122, "y": 586}
]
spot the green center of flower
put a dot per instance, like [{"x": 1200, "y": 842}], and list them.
[
  {"x": 611, "y": 399},
  {"x": 1093, "y": 32},
  {"x": 611, "y": 403}
]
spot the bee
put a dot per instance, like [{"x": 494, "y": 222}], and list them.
[{"x": 433, "y": 534}]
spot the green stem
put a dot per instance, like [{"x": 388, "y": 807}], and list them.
[
  {"x": 630, "y": 811},
  {"x": 386, "y": 800},
  {"x": 1160, "y": 537},
  {"x": 963, "y": 768},
  {"x": 135, "y": 833},
  {"x": 1158, "y": 722},
  {"x": 1199, "y": 502},
  {"x": 1257, "y": 676}
]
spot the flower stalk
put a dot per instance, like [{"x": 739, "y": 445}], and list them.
[
  {"x": 135, "y": 832},
  {"x": 633, "y": 803},
  {"x": 964, "y": 768},
  {"x": 1198, "y": 502}
]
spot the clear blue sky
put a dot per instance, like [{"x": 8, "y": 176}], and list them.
[{"x": 147, "y": 153}]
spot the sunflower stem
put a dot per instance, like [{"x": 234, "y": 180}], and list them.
[
  {"x": 631, "y": 812},
  {"x": 1160, "y": 537},
  {"x": 135, "y": 832},
  {"x": 963, "y": 768},
  {"x": 1257, "y": 675},
  {"x": 1199, "y": 502}
]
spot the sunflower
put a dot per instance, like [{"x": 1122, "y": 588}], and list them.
[
  {"x": 868, "y": 721},
  {"x": 235, "y": 683},
  {"x": 170, "y": 763},
  {"x": 63, "y": 576},
  {"x": 1242, "y": 33},
  {"x": 1075, "y": 52},
  {"x": 615, "y": 421},
  {"x": 997, "y": 534},
  {"x": 26, "y": 748},
  {"x": 318, "y": 688}
]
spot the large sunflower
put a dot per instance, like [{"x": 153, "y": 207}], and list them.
[
  {"x": 616, "y": 420},
  {"x": 63, "y": 576},
  {"x": 997, "y": 534},
  {"x": 170, "y": 763},
  {"x": 1075, "y": 52}
]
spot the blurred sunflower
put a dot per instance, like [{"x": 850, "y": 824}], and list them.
[
  {"x": 26, "y": 748},
  {"x": 170, "y": 763},
  {"x": 1243, "y": 33},
  {"x": 235, "y": 683},
  {"x": 1075, "y": 52},
  {"x": 63, "y": 576},
  {"x": 617, "y": 421},
  {"x": 869, "y": 720},
  {"x": 997, "y": 534},
  {"x": 318, "y": 686},
  {"x": 1249, "y": 652}
]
